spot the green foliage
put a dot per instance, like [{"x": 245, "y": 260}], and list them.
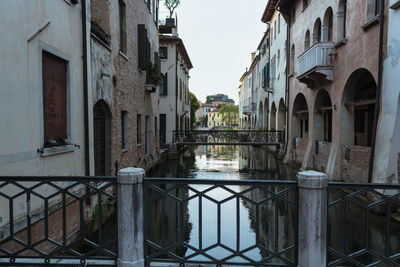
[
  {"x": 208, "y": 100},
  {"x": 153, "y": 76},
  {"x": 194, "y": 105},
  {"x": 229, "y": 114},
  {"x": 171, "y": 5}
]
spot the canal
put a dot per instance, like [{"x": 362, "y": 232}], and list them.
[
  {"x": 237, "y": 232},
  {"x": 271, "y": 226}
]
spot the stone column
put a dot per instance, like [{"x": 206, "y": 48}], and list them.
[
  {"x": 312, "y": 218},
  {"x": 130, "y": 217}
]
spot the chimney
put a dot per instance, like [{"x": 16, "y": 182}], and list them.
[{"x": 253, "y": 56}]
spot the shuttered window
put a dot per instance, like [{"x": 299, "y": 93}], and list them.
[
  {"x": 54, "y": 71},
  {"x": 164, "y": 85},
  {"x": 142, "y": 47}
]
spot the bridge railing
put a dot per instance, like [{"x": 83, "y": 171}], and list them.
[
  {"x": 57, "y": 220},
  {"x": 229, "y": 136},
  {"x": 166, "y": 221}
]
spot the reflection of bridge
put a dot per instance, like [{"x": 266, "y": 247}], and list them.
[{"x": 229, "y": 137}]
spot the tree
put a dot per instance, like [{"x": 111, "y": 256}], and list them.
[
  {"x": 171, "y": 5},
  {"x": 194, "y": 105},
  {"x": 229, "y": 114},
  {"x": 208, "y": 100}
]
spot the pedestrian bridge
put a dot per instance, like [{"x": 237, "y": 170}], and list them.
[{"x": 229, "y": 137}]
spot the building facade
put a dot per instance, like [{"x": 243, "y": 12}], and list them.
[
  {"x": 125, "y": 80},
  {"x": 334, "y": 60},
  {"x": 174, "y": 88}
]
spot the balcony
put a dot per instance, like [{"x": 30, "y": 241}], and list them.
[
  {"x": 315, "y": 64},
  {"x": 247, "y": 110}
]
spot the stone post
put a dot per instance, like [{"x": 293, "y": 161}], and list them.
[
  {"x": 130, "y": 217},
  {"x": 312, "y": 218}
]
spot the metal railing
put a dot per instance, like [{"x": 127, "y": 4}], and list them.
[
  {"x": 199, "y": 221},
  {"x": 229, "y": 137},
  {"x": 57, "y": 220},
  {"x": 317, "y": 55},
  {"x": 363, "y": 224}
]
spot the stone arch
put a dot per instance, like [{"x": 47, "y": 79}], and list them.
[
  {"x": 261, "y": 115},
  {"x": 281, "y": 115},
  {"x": 307, "y": 40},
  {"x": 102, "y": 138},
  {"x": 327, "y": 27},
  {"x": 358, "y": 108},
  {"x": 341, "y": 20},
  {"x": 266, "y": 111},
  {"x": 317, "y": 31},
  {"x": 273, "y": 116},
  {"x": 323, "y": 117},
  {"x": 299, "y": 123}
]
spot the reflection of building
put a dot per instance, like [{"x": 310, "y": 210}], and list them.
[{"x": 174, "y": 88}]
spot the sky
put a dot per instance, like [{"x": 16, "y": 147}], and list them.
[{"x": 219, "y": 36}]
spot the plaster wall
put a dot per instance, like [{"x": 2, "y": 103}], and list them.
[
  {"x": 359, "y": 51},
  {"x": 278, "y": 44},
  {"x": 262, "y": 97},
  {"x": 168, "y": 103},
  {"x": 22, "y": 131},
  {"x": 386, "y": 161}
]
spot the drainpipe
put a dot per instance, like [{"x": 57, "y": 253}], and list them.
[
  {"x": 176, "y": 89},
  {"x": 287, "y": 86},
  {"x": 85, "y": 89},
  {"x": 379, "y": 89}
]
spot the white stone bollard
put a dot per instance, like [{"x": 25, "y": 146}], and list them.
[
  {"x": 312, "y": 243},
  {"x": 130, "y": 217}
]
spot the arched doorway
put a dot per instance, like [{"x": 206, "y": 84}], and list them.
[
  {"x": 266, "y": 110},
  {"x": 300, "y": 117},
  {"x": 260, "y": 116},
  {"x": 322, "y": 130},
  {"x": 323, "y": 117},
  {"x": 328, "y": 26},
  {"x": 316, "y": 35},
  {"x": 358, "y": 108},
  {"x": 281, "y": 115},
  {"x": 357, "y": 123},
  {"x": 273, "y": 116},
  {"x": 102, "y": 139},
  {"x": 299, "y": 128}
]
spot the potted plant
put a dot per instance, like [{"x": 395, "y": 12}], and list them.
[{"x": 153, "y": 77}]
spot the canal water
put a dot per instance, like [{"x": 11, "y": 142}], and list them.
[
  {"x": 257, "y": 235},
  {"x": 272, "y": 226}
]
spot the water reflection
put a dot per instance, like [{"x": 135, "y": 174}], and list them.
[{"x": 266, "y": 223}]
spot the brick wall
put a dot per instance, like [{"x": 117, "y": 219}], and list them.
[{"x": 355, "y": 168}]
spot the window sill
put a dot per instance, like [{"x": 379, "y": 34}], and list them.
[
  {"x": 124, "y": 150},
  {"x": 50, "y": 151},
  {"x": 371, "y": 23},
  {"x": 123, "y": 55},
  {"x": 341, "y": 42},
  {"x": 139, "y": 145}
]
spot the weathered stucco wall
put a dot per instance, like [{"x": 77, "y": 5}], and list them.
[{"x": 359, "y": 51}]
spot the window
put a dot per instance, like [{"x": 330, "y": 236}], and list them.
[
  {"x": 307, "y": 40},
  {"x": 164, "y": 85},
  {"x": 143, "y": 48},
  {"x": 342, "y": 19},
  {"x": 279, "y": 57},
  {"x": 279, "y": 23},
  {"x": 155, "y": 126},
  {"x": 275, "y": 30},
  {"x": 180, "y": 89},
  {"x": 124, "y": 129},
  {"x": 163, "y": 52},
  {"x": 317, "y": 31},
  {"x": 328, "y": 26},
  {"x": 122, "y": 26},
  {"x": 54, "y": 75},
  {"x": 147, "y": 135},
  {"x": 163, "y": 128},
  {"x": 373, "y": 7},
  {"x": 139, "y": 129},
  {"x": 292, "y": 56}
]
